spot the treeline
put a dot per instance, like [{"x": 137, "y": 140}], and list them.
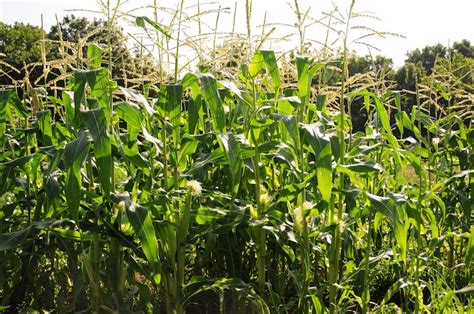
[{"x": 30, "y": 55}]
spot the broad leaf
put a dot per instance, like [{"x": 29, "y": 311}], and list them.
[
  {"x": 96, "y": 122},
  {"x": 321, "y": 144},
  {"x": 213, "y": 99},
  {"x": 233, "y": 153},
  {"x": 75, "y": 153}
]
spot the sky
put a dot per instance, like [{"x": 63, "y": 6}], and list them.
[{"x": 416, "y": 23}]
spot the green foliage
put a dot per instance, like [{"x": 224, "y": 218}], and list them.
[
  {"x": 427, "y": 56},
  {"x": 263, "y": 193},
  {"x": 114, "y": 184},
  {"x": 19, "y": 47}
]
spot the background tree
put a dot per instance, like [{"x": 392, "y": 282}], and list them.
[
  {"x": 464, "y": 47},
  {"x": 427, "y": 56},
  {"x": 18, "y": 47},
  {"x": 75, "y": 33}
]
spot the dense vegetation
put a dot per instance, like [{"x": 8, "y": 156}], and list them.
[{"x": 309, "y": 182}]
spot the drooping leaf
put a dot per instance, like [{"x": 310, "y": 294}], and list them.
[
  {"x": 142, "y": 224},
  {"x": 391, "y": 291},
  {"x": 99, "y": 83},
  {"x": 267, "y": 59},
  {"x": 14, "y": 239},
  {"x": 470, "y": 249},
  {"x": 305, "y": 76},
  {"x": 383, "y": 205},
  {"x": 94, "y": 56},
  {"x": 45, "y": 123},
  {"x": 134, "y": 97},
  {"x": 385, "y": 120},
  {"x": 9, "y": 99},
  {"x": 174, "y": 93},
  {"x": 469, "y": 289},
  {"x": 397, "y": 218},
  {"x": 366, "y": 166},
  {"x": 75, "y": 153},
  {"x": 132, "y": 115},
  {"x": 233, "y": 152},
  {"x": 140, "y": 21},
  {"x": 321, "y": 144},
  {"x": 445, "y": 301},
  {"x": 195, "y": 107},
  {"x": 213, "y": 99},
  {"x": 3, "y": 116},
  {"x": 291, "y": 126},
  {"x": 96, "y": 122}
]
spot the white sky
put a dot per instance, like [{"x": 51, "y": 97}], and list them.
[{"x": 422, "y": 22}]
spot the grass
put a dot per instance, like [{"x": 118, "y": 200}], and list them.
[{"x": 243, "y": 195}]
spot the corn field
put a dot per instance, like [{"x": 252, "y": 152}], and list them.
[{"x": 240, "y": 193}]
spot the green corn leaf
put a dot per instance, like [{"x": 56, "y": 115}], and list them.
[
  {"x": 137, "y": 98},
  {"x": 240, "y": 94},
  {"x": 9, "y": 99},
  {"x": 206, "y": 215},
  {"x": 67, "y": 98},
  {"x": 321, "y": 144},
  {"x": 446, "y": 299},
  {"x": 140, "y": 21},
  {"x": 188, "y": 147},
  {"x": 233, "y": 152},
  {"x": 391, "y": 291},
  {"x": 291, "y": 126},
  {"x": 266, "y": 59},
  {"x": 470, "y": 249},
  {"x": 383, "y": 116},
  {"x": 194, "y": 113},
  {"x": 287, "y": 105},
  {"x": 383, "y": 205},
  {"x": 94, "y": 56},
  {"x": 45, "y": 123},
  {"x": 305, "y": 76},
  {"x": 99, "y": 83},
  {"x": 14, "y": 239},
  {"x": 213, "y": 99},
  {"x": 72, "y": 235},
  {"x": 321, "y": 102},
  {"x": 366, "y": 166},
  {"x": 132, "y": 115},
  {"x": 96, "y": 122},
  {"x": 141, "y": 220},
  {"x": 80, "y": 81},
  {"x": 18, "y": 162},
  {"x": 397, "y": 217},
  {"x": 400, "y": 229},
  {"x": 75, "y": 153},
  {"x": 257, "y": 64},
  {"x": 174, "y": 93},
  {"x": 3, "y": 116},
  {"x": 195, "y": 109},
  {"x": 433, "y": 223},
  {"x": 384, "y": 119}
]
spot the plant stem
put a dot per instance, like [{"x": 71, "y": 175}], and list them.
[
  {"x": 261, "y": 242},
  {"x": 337, "y": 244},
  {"x": 176, "y": 56},
  {"x": 366, "y": 291}
]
